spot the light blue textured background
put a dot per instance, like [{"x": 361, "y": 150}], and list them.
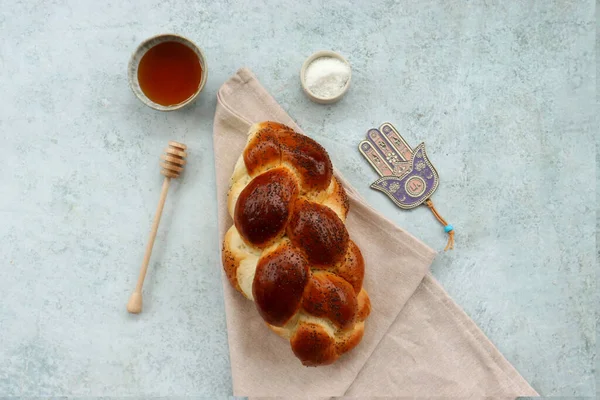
[{"x": 502, "y": 92}]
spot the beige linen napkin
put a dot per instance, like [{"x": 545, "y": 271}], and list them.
[{"x": 417, "y": 341}]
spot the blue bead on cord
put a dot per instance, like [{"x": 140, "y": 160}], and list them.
[{"x": 448, "y": 228}]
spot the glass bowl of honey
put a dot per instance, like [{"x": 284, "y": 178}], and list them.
[{"x": 167, "y": 72}]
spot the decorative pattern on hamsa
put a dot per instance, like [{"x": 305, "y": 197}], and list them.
[{"x": 407, "y": 176}]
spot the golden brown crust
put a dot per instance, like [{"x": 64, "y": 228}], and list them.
[
  {"x": 350, "y": 339},
  {"x": 263, "y": 150},
  {"x": 230, "y": 262},
  {"x": 329, "y": 296},
  {"x": 272, "y": 143},
  {"x": 308, "y": 158},
  {"x": 352, "y": 266},
  {"x": 337, "y": 199},
  {"x": 341, "y": 194},
  {"x": 279, "y": 283},
  {"x": 318, "y": 232},
  {"x": 313, "y": 345},
  {"x": 364, "y": 305},
  {"x": 288, "y": 249},
  {"x": 264, "y": 206}
]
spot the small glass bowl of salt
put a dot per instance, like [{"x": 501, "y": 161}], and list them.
[{"x": 325, "y": 76}]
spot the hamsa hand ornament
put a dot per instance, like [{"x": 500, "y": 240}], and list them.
[{"x": 407, "y": 176}]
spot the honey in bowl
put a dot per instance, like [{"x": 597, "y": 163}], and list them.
[{"x": 169, "y": 73}]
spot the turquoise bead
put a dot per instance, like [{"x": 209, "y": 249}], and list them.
[{"x": 448, "y": 228}]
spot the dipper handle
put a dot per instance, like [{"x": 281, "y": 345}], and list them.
[{"x": 172, "y": 166}]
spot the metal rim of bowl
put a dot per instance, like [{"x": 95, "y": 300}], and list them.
[
  {"x": 146, "y": 45},
  {"x": 310, "y": 59}
]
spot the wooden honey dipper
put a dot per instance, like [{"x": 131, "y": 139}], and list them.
[{"x": 172, "y": 166}]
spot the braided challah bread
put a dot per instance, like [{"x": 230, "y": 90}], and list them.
[{"x": 289, "y": 250}]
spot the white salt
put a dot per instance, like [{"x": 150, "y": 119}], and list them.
[{"x": 326, "y": 77}]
